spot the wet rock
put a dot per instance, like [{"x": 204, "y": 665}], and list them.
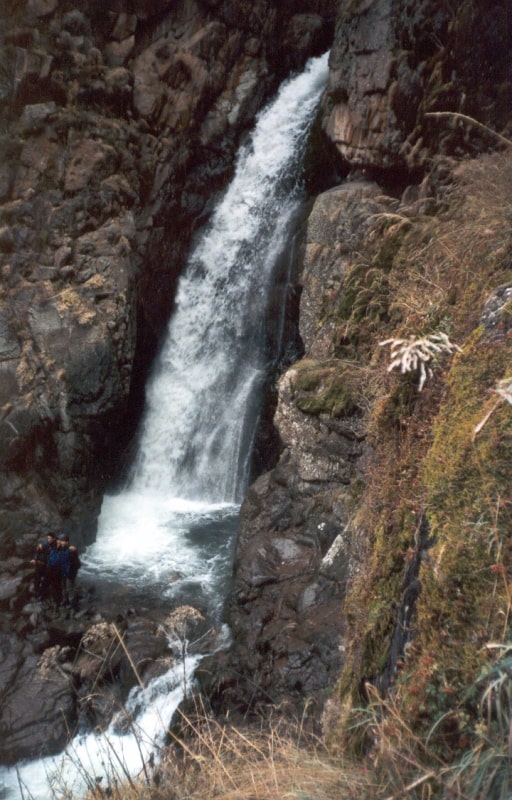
[
  {"x": 37, "y": 711},
  {"x": 495, "y": 315},
  {"x": 37, "y": 113},
  {"x": 41, "y": 8},
  {"x": 147, "y": 653},
  {"x": 305, "y": 32}
]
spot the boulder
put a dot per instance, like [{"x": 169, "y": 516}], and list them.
[{"x": 37, "y": 712}]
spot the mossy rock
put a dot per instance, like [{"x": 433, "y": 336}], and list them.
[{"x": 325, "y": 387}]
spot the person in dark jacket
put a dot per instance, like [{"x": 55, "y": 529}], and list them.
[
  {"x": 54, "y": 575},
  {"x": 40, "y": 562},
  {"x": 69, "y": 565}
]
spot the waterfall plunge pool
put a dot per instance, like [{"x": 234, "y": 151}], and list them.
[{"x": 161, "y": 552}]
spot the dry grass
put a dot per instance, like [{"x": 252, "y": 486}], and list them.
[
  {"x": 424, "y": 273},
  {"x": 449, "y": 261},
  {"x": 210, "y": 761},
  {"x": 226, "y": 762}
]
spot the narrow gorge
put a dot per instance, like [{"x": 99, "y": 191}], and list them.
[{"x": 371, "y": 553}]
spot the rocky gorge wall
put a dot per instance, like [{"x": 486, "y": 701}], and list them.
[{"x": 120, "y": 124}]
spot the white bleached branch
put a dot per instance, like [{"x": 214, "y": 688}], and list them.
[{"x": 417, "y": 354}]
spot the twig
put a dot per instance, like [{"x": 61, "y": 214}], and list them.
[
  {"x": 475, "y": 122},
  {"x": 22, "y": 786},
  {"x": 412, "y": 785},
  {"x": 129, "y": 657}
]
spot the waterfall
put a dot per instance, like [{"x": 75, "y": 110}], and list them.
[
  {"x": 169, "y": 533},
  {"x": 202, "y": 402}
]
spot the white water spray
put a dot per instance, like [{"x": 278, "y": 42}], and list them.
[
  {"x": 170, "y": 530},
  {"x": 199, "y": 426}
]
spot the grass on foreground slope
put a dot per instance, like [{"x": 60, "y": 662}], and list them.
[{"x": 208, "y": 760}]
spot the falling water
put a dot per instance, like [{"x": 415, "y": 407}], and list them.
[
  {"x": 199, "y": 426},
  {"x": 169, "y": 534}
]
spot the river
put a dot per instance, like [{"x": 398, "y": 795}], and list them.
[{"x": 168, "y": 536}]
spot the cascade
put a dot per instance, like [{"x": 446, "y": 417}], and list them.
[
  {"x": 202, "y": 402},
  {"x": 169, "y": 533}
]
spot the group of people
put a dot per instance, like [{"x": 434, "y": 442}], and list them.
[{"x": 56, "y": 566}]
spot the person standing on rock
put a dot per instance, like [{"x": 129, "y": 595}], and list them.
[
  {"x": 53, "y": 578},
  {"x": 40, "y": 562},
  {"x": 69, "y": 565}
]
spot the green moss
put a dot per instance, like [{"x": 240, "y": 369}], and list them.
[
  {"x": 324, "y": 388},
  {"x": 465, "y": 596},
  {"x": 464, "y": 473},
  {"x": 367, "y": 304},
  {"x": 427, "y": 462}
]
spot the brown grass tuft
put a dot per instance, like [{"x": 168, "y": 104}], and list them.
[{"x": 225, "y": 762}]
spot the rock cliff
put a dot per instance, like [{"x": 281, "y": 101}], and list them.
[{"x": 119, "y": 126}]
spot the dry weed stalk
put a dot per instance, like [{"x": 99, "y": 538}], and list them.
[
  {"x": 504, "y": 391},
  {"x": 231, "y": 763},
  {"x": 454, "y": 116}
]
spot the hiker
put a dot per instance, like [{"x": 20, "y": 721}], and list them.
[
  {"x": 53, "y": 580},
  {"x": 40, "y": 562},
  {"x": 69, "y": 565}
]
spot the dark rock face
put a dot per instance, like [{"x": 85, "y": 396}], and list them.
[
  {"x": 38, "y": 708},
  {"x": 294, "y": 555},
  {"x": 394, "y": 61},
  {"x": 121, "y": 128}
]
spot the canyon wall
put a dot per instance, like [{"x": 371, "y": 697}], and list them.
[{"x": 119, "y": 126}]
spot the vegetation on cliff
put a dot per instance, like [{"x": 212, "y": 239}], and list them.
[{"x": 429, "y": 614}]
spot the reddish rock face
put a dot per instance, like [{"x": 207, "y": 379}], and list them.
[{"x": 393, "y": 63}]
